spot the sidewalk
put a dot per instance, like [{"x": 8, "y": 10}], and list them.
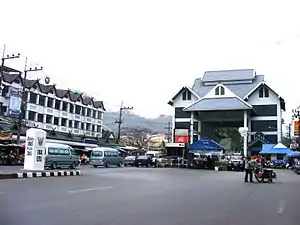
[{"x": 14, "y": 172}]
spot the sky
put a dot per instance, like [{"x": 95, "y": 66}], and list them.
[{"x": 142, "y": 52}]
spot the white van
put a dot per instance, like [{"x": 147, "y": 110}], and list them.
[
  {"x": 106, "y": 156},
  {"x": 60, "y": 156}
]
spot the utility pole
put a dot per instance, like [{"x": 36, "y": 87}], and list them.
[
  {"x": 119, "y": 120},
  {"x": 169, "y": 131},
  {"x": 5, "y": 57},
  {"x": 24, "y": 102}
]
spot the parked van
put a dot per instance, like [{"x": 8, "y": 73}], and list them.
[
  {"x": 105, "y": 156},
  {"x": 60, "y": 156}
]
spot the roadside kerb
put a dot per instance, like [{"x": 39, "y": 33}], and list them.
[{"x": 37, "y": 174}]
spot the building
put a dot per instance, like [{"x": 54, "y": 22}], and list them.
[
  {"x": 228, "y": 98},
  {"x": 65, "y": 114}
]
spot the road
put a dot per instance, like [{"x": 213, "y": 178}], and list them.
[{"x": 149, "y": 196}]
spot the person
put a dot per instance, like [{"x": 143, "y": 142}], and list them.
[{"x": 248, "y": 170}]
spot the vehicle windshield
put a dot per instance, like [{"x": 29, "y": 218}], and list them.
[
  {"x": 236, "y": 158},
  {"x": 130, "y": 157},
  {"x": 97, "y": 153},
  {"x": 143, "y": 157}
]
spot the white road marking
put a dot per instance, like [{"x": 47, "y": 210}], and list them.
[
  {"x": 281, "y": 207},
  {"x": 90, "y": 189}
]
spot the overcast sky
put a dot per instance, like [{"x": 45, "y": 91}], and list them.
[{"x": 143, "y": 52}]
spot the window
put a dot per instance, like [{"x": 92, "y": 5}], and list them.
[
  {"x": 53, "y": 151},
  {"x": 88, "y": 126},
  {"x": 71, "y": 108},
  {"x": 73, "y": 152},
  {"x": 50, "y": 102},
  {"x": 189, "y": 95},
  {"x": 82, "y": 126},
  {"x": 83, "y": 111},
  {"x": 31, "y": 115},
  {"x": 56, "y": 120},
  {"x": 64, "y": 106},
  {"x": 97, "y": 153},
  {"x": 100, "y": 115},
  {"x": 49, "y": 119},
  {"x": 71, "y": 123},
  {"x": 40, "y": 118},
  {"x": 186, "y": 95},
  {"x": 88, "y": 113},
  {"x": 220, "y": 90},
  {"x": 42, "y": 100},
  {"x": 33, "y": 98},
  {"x": 57, "y": 104},
  {"x": 63, "y": 151},
  {"x": 95, "y": 114},
  {"x": 64, "y": 122},
  {"x": 263, "y": 92},
  {"x": 77, "y": 109},
  {"x": 76, "y": 125},
  {"x": 98, "y": 129}
]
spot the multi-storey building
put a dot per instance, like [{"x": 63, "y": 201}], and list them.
[
  {"x": 54, "y": 109},
  {"x": 230, "y": 98}
]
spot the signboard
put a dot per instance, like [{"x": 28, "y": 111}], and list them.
[
  {"x": 182, "y": 139},
  {"x": 296, "y": 128},
  {"x": 15, "y": 101},
  {"x": 35, "y": 149},
  {"x": 174, "y": 145},
  {"x": 181, "y": 132}
]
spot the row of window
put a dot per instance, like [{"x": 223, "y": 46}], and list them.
[
  {"x": 61, "y": 151},
  {"x": 62, "y": 105},
  {"x": 106, "y": 153},
  {"x": 33, "y": 116}
]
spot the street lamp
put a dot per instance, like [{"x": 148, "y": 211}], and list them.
[
  {"x": 244, "y": 133},
  {"x": 24, "y": 102}
]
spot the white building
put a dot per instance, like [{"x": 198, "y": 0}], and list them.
[
  {"x": 228, "y": 98},
  {"x": 54, "y": 109}
]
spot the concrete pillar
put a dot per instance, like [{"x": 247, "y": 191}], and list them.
[
  {"x": 46, "y": 101},
  {"x": 249, "y": 129},
  {"x": 245, "y": 134},
  {"x": 279, "y": 123},
  {"x": 199, "y": 129},
  {"x": 192, "y": 128},
  {"x": 37, "y": 99}
]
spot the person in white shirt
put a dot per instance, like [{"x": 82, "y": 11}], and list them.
[{"x": 248, "y": 170}]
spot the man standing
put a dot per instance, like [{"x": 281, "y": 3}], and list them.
[{"x": 248, "y": 170}]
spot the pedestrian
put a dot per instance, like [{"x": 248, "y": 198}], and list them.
[{"x": 248, "y": 170}]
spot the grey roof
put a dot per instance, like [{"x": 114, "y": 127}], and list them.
[
  {"x": 239, "y": 89},
  {"x": 228, "y": 75},
  {"x": 213, "y": 104}
]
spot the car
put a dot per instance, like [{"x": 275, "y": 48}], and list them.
[
  {"x": 236, "y": 163},
  {"x": 144, "y": 160},
  {"x": 129, "y": 160}
]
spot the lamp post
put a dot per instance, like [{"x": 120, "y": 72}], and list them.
[
  {"x": 5, "y": 57},
  {"x": 244, "y": 133},
  {"x": 24, "y": 102}
]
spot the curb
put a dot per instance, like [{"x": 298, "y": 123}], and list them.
[{"x": 39, "y": 174}]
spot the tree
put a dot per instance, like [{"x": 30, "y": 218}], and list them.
[
  {"x": 233, "y": 134},
  {"x": 137, "y": 137}
]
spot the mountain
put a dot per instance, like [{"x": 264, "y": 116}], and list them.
[{"x": 131, "y": 120}]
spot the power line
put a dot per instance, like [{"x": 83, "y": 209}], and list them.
[{"x": 119, "y": 120}]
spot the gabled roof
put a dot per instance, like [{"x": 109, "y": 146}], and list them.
[
  {"x": 180, "y": 91},
  {"x": 228, "y": 75},
  {"x": 215, "y": 104},
  {"x": 61, "y": 93}
]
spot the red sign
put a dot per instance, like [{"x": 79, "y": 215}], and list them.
[{"x": 181, "y": 139}]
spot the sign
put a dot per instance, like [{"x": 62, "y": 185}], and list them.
[
  {"x": 174, "y": 145},
  {"x": 181, "y": 132},
  {"x": 15, "y": 101},
  {"x": 296, "y": 128},
  {"x": 35, "y": 148},
  {"x": 182, "y": 139}
]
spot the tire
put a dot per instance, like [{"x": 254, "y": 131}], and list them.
[
  {"x": 73, "y": 165},
  {"x": 274, "y": 175},
  {"x": 94, "y": 166},
  {"x": 125, "y": 165},
  {"x": 54, "y": 166},
  {"x": 120, "y": 165},
  {"x": 107, "y": 165}
]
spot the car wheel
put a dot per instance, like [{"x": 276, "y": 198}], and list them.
[
  {"x": 94, "y": 166},
  {"x": 73, "y": 165},
  {"x": 107, "y": 165},
  {"x": 120, "y": 165},
  {"x": 54, "y": 166}
]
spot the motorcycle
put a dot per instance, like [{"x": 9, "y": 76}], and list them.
[{"x": 265, "y": 175}]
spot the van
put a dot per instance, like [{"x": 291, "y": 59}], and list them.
[
  {"x": 60, "y": 156},
  {"x": 104, "y": 156}
]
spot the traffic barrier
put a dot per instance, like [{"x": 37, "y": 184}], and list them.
[{"x": 39, "y": 174}]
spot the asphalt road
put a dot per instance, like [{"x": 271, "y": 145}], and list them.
[{"x": 149, "y": 196}]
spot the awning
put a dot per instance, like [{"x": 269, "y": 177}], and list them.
[
  {"x": 278, "y": 149},
  {"x": 205, "y": 144},
  {"x": 293, "y": 154}
]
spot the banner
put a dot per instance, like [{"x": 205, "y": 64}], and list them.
[
  {"x": 181, "y": 139},
  {"x": 296, "y": 128},
  {"x": 15, "y": 101}
]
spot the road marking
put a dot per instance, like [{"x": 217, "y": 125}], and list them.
[
  {"x": 90, "y": 189},
  {"x": 281, "y": 206}
]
